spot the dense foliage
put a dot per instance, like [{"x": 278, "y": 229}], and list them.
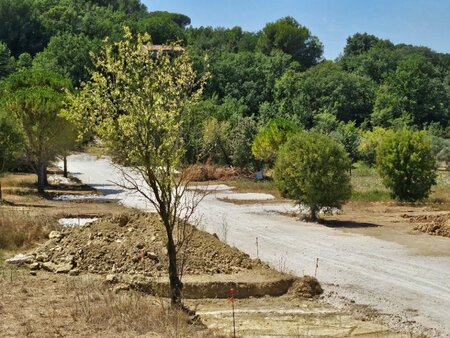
[
  {"x": 277, "y": 73},
  {"x": 313, "y": 170},
  {"x": 406, "y": 164}
]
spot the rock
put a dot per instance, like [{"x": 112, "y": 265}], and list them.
[
  {"x": 123, "y": 220},
  {"x": 74, "y": 272},
  {"x": 121, "y": 287},
  {"x": 64, "y": 268},
  {"x": 55, "y": 235},
  {"x": 112, "y": 279},
  {"x": 33, "y": 273},
  {"x": 49, "y": 266},
  {"x": 152, "y": 256},
  {"x": 35, "y": 266},
  {"x": 42, "y": 257},
  {"x": 153, "y": 238},
  {"x": 140, "y": 246},
  {"x": 20, "y": 259}
]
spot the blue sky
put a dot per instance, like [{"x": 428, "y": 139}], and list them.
[{"x": 418, "y": 22}]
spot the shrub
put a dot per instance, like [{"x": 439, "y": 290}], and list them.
[
  {"x": 313, "y": 169},
  {"x": 406, "y": 164},
  {"x": 270, "y": 138}
]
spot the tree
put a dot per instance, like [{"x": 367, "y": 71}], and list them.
[
  {"x": 136, "y": 103},
  {"x": 292, "y": 38},
  {"x": 406, "y": 164},
  {"x": 241, "y": 135},
  {"x": 325, "y": 88},
  {"x": 6, "y": 64},
  {"x": 369, "y": 143},
  {"x": 412, "y": 95},
  {"x": 35, "y": 99},
  {"x": 313, "y": 170},
  {"x": 10, "y": 145},
  {"x": 358, "y": 44},
  {"x": 67, "y": 55},
  {"x": 20, "y": 28},
  {"x": 271, "y": 137}
]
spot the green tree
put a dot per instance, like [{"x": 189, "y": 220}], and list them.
[
  {"x": 406, "y": 164},
  {"x": 289, "y": 36},
  {"x": 369, "y": 143},
  {"x": 313, "y": 170},
  {"x": 413, "y": 95},
  {"x": 67, "y": 55},
  {"x": 215, "y": 141},
  {"x": 10, "y": 145},
  {"x": 325, "y": 88},
  {"x": 271, "y": 137},
  {"x": 20, "y": 27},
  {"x": 35, "y": 99},
  {"x": 143, "y": 100},
  {"x": 6, "y": 64},
  {"x": 358, "y": 44},
  {"x": 348, "y": 135},
  {"x": 241, "y": 135}
]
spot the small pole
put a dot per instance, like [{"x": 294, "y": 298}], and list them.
[
  {"x": 257, "y": 248},
  {"x": 232, "y": 307},
  {"x": 317, "y": 266}
]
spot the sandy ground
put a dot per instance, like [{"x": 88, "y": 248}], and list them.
[{"x": 398, "y": 277}]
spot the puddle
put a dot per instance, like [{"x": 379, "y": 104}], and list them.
[
  {"x": 76, "y": 222},
  {"x": 84, "y": 198}
]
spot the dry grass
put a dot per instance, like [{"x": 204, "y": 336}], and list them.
[
  {"x": 213, "y": 172},
  {"x": 131, "y": 313},
  {"x": 20, "y": 229}
]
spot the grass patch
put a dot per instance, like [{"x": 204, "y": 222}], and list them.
[{"x": 19, "y": 229}]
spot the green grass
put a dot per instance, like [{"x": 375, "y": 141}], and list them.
[{"x": 367, "y": 185}]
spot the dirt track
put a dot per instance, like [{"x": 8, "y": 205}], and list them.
[{"x": 392, "y": 277}]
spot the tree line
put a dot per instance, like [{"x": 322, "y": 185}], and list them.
[{"x": 254, "y": 78}]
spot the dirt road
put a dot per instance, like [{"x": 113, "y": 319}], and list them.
[{"x": 389, "y": 276}]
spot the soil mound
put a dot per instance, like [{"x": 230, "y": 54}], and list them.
[
  {"x": 438, "y": 225},
  {"x": 134, "y": 244},
  {"x": 305, "y": 287}
]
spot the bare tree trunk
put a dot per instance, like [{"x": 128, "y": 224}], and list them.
[
  {"x": 45, "y": 176},
  {"x": 1, "y": 194},
  {"x": 175, "y": 283},
  {"x": 313, "y": 214},
  {"x": 41, "y": 173},
  {"x": 65, "y": 166}
]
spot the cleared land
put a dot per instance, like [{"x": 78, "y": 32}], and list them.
[
  {"x": 39, "y": 303},
  {"x": 397, "y": 278}
]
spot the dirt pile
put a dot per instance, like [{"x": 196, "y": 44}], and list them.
[
  {"x": 134, "y": 244},
  {"x": 305, "y": 287},
  {"x": 212, "y": 172},
  {"x": 438, "y": 225}
]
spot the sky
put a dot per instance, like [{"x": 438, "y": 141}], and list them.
[{"x": 417, "y": 22}]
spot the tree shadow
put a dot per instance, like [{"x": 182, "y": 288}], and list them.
[{"x": 347, "y": 224}]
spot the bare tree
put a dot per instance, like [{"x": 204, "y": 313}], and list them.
[{"x": 137, "y": 102}]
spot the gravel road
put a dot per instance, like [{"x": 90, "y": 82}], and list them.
[{"x": 367, "y": 270}]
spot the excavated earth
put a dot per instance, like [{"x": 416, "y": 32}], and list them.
[
  {"x": 130, "y": 251},
  {"x": 438, "y": 225}
]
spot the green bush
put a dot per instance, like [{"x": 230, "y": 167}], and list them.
[
  {"x": 313, "y": 169},
  {"x": 406, "y": 164},
  {"x": 271, "y": 137}
]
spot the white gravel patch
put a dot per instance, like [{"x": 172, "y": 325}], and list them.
[
  {"x": 57, "y": 179},
  {"x": 211, "y": 187},
  {"x": 76, "y": 222},
  {"x": 246, "y": 196},
  {"x": 83, "y": 198}
]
